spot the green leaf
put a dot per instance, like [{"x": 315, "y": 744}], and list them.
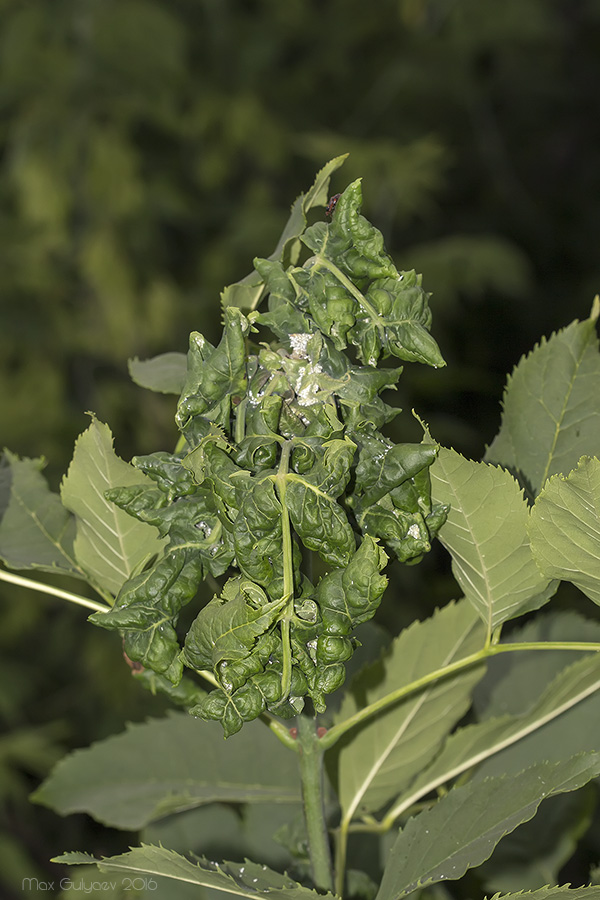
[
  {"x": 146, "y": 609},
  {"x": 470, "y": 746},
  {"x": 220, "y": 830},
  {"x": 245, "y": 880},
  {"x": 389, "y": 314},
  {"x": 521, "y": 681},
  {"x": 167, "y": 765},
  {"x": 514, "y": 682},
  {"x": 486, "y": 535},
  {"x": 214, "y": 374},
  {"x": 109, "y": 545},
  {"x": 164, "y": 373},
  {"x": 311, "y": 499},
  {"x": 392, "y": 495},
  {"x": 391, "y": 748},
  {"x": 462, "y": 828},
  {"x": 226, "y": 629},
  {"x": 288, "y": 246},
  {"x": 565, "y": 528},
  {"x": 247, "y": 293},
  {"x": 36, "y": 531},
  {"x": 552, "y": 406},
  {"x": 566, "y": 892},
  {"x": 257, "y": 537},
  {"x": 350, "y": 595},
  {"x": 533, "y": 855}
]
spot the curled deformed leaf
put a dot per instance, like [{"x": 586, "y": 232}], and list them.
[{"x": 280, "y": 457}]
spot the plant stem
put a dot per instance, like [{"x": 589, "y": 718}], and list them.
[
  {"x": 311, "y": 773},
  {"x": 288, "y": 570},
  {"x": 341, "y": 845},
  {"x": 333, "y": 735},
  {"x": 54, "y": 591}
]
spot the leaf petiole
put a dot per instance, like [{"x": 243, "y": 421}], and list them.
[
  {"x": 333, "y": 735},
  {"x": 53, "y": 591}
]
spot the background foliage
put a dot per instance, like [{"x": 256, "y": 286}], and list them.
[{"x": 149, "y": 150}]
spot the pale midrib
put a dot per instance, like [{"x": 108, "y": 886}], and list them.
[
  {"x": 46, "y": 533},
  {"x": 482, "y": 755},
  {"x": 119, "y": 552},
  {"x": 559, "y": 420},
  {"x": 487, "y": 605},
  {"x": 378, "y": 764}
]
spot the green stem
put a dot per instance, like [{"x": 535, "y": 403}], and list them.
[
  {"x": 288, "y": 570},
  {"x": 54, "y": 591},
  {"x": 333, "y": 735},
  {"x": 311, "y": 773},
  {"x": 352, "y": 289},
  {"x": 341, "y": 843}
]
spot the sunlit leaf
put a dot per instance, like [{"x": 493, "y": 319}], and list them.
[
  {"x": 565, "y": 528},
  {"x": 552, "y": 406},
  {"x": 110, "y": 545},
  {"x": 486, "y": 535}
]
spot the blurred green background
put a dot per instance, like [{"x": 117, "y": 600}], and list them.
[{"x": 151, "y": 148}]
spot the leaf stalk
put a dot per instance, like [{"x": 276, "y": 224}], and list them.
[
  {"x": 333, "y": 735},
  {"x": 53, "y": 591}
]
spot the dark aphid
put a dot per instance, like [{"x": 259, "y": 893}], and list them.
[{"x": 329, "y": 209}]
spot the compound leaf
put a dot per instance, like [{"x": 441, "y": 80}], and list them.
[
  {"x": 388, "y": 751},
  {"x": 565, "y": 528},
  {"x": 470, "y": 746}
]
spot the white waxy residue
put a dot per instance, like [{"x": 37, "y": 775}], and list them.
[
  {"x": 299, "y": 343},
  {"x": 307, "y": 393},
  {"x": 414, "y": 532}
]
